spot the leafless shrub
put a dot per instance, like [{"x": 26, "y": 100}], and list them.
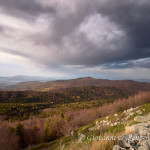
[{"x": 8, "y": 139}]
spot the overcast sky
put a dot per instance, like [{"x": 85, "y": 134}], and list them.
[{"x": 74, "y": 38}]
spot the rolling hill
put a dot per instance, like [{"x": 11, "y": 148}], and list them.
[
  {"x": 58, "y": 85},
  {"x": 86, "y": 93}
]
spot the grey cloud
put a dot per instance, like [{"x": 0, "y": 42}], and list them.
[
  {"x": 133, "y": 17},
  {"x": 65, "y": 25},
  {"x": 1, "y": 29},
  {"x": 15, "y": 52},
  {"x": 28, "y": 9},
  {"x": 140, "y": 63},
  {"x": 5, "y": 29},
  {"x": 74, "y": 47}
]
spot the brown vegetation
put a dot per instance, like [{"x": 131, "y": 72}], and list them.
[
  {"x": 8, "y": 139},
  {"x": 36, "y": 130}
]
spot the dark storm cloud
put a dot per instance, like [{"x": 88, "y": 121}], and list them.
[
  {"x": 141, "y": 63},
  {"x": 133, "y": 16},
  {"x": 99, "y": 32}
]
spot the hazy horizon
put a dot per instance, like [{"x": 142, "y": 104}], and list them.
[{"x": 25, "y": 78}]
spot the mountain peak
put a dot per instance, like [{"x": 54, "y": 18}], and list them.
[{"x": 88, "y": 78}]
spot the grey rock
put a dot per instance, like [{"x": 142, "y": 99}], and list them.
[
  {"x": 81, "y": 137},
  {"x": 140, "y": 128},
  {"x": 92, "y": 128},
  {"x": 142, "y": 118},
  {"x": 134, "y": 142},
  {"x": 148, "y": 124},
  {"x": 72, "y": 133},
  {"x": 116, "y": 147},
  {"x": 144, "y": 147},
  {"x": 140, "y": 139}
]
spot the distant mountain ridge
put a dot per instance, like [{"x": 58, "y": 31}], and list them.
[
  {"x": 23, "y": 78},
  {"x": 58, "y": 85},
  {"x": 8, "y": 81}
]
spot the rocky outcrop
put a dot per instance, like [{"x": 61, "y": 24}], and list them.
[
  {"x": 117, "y": 119},
  {"x": 136, "y": 137},
  {"x": 140, "y": 140}
]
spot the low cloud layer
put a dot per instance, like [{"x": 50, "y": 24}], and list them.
[{"x": 108, "y": 34}]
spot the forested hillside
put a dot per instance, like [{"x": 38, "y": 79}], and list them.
[
  {"x": 129, "y": 85},
  {"x": 87, "y": 93}
]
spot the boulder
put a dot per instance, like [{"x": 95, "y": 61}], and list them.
[
  {"x": 140, "y": 140},
  {"x": 142, "y": 118},
  {"x": 81, "y": 137},
  {"x": 117, "y": 147},
  {"x": 143, "y": 147},
  {"x": 138, "y": 118},
  {"x": 116, "y": 115},
  {"x": 140, "y": 129}
]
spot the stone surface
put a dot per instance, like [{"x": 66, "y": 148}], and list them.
[
  {"x": 136, "y": 137},
  {"x": 81, "y": 137},
  {"x": 143, "y": 147},
  {"x": 140, "y": 140},
  {"x": 142, "y": 118},
  {"x": 72, "y": 133},
  {"x": 116, "y": 147}
]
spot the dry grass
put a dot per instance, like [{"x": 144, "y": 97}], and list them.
[
  {"x": 106, "y": 144},
  {"x": 102, "y": 145}
]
